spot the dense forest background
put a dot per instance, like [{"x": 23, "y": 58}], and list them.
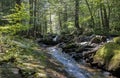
[{"x": 35, "y": 17}]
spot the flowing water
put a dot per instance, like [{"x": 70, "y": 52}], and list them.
[{"x": 73, "y": 68}]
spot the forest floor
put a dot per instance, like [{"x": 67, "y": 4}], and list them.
[{"x": 23, "y": 58}]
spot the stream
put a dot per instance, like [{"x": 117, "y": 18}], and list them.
[{"x": 73, "y": 68}]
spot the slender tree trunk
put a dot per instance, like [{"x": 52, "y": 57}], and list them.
[
  {"x": 92, "y": 18},
  {"x": 35, "y": 4},
  {"x": 60, "y": 22},
  {"x": 102, "y": 17},
  {"x": 77, "y": 14},
  {"x": 106, "y": 21},
  {"x": 65, "y": 18},
  {"x": 18, "y": 2},
  {"x": 50, "y": 23},
  {"x": 45, "y": 26}
]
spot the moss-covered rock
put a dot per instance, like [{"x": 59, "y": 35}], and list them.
[
  {"x": 108, "y": 56},
  {"x": 117, "y": 40}
]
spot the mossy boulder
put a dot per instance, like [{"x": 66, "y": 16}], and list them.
[
  {"x": 108, "y": 57},
  {"x": 117, "y": 40}
]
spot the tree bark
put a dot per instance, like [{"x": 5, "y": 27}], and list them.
[
  {"x": 65, "y": 17},
  {"x": 60, "y": 22},
  {"x": 18, "y": 2},
  {"x": 77, "y": 14},
  {"x": 34, "y": 21},
  {"x": 51, "y": 22},
  {"x": 92, "y": 18},
  {"x": 106, "y": 21}
]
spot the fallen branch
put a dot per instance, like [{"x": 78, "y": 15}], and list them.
[{"x": 87, "y": 53}]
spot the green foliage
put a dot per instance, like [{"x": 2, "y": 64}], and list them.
[
  {"x": 100, "y": 31},
  {"x": 108, "y": 55},
  {"x": 12, "y": 29},
  {"x": 20, "y": 14},
  {"x": 115, "y": 32},
  {"x": 17, "y": 20}
]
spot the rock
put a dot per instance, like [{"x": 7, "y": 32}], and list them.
[
  {"x": 71, "y": 45},
  {"x": 103, "y": 38},
  {"x": 66, "y": 38},
  {"x": 61, "y": 45},
  {"x": 9, "y": 72},
  {"x": 98, "y": 39},
  {"x": 82, "y": 38},
  {"x": 116, "y": 40},
  {"x": 46, "y": 41},
  {"x": 95, "y": 40},
  {"x": 107, "y": 57}
]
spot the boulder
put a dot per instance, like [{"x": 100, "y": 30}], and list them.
[
  {"x": 107, "y": 57},
  {"x": 116, "y": 40},
  {"x": 71, "y": 47},
  {"x": 95, "y": 40}
]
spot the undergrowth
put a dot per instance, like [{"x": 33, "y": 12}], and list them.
[{"x": 22, "y": 54}]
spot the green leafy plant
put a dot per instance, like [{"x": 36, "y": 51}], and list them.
[{"x": 17, "y": 20}]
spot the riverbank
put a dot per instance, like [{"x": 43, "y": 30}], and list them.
[{"x": 23, "y": 58}]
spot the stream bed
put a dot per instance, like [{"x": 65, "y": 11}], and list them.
[{"x": 75, "y": 69}]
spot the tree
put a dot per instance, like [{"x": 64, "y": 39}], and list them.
[{"x": 77, "y": 14}]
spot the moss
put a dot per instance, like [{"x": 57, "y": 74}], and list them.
[
  {"x": 23, "y": 54},
  {"x": 115, "y": 62},
  {"x": 108, "y": 55},
  {"x": 117, "y": 40}
]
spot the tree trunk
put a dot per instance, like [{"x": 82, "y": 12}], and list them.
[
  {"x": 92, "y": 18},
  {"x": 34, "y": 29},
  {"x": 60, "y": 22},
  {"x": 50, "y": 23},
  {"x": 106, "y": 20},
  {"x": 102, "y": 18},
  {"x": 18, "y": 2},
  {"x": 77, "y": 14},
  {"x": 65, "y": 17}
]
